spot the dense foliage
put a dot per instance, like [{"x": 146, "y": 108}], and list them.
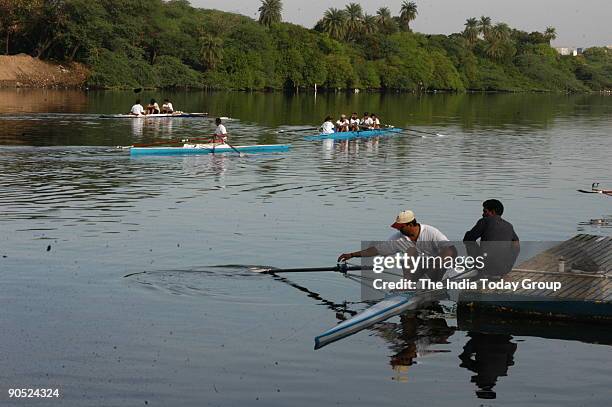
[{"x": 155, "y": 43}]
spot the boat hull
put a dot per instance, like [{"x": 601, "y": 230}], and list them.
[
  {"x": 208, "y": 149},
  {"x": 392, "y": 305},
  {"x": 152, "y": 116},
  {"x": 348, "y": 135}
]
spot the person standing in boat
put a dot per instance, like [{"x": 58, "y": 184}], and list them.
[
  {"x": 414, "y": 239},
  {"x": 220, "y": 132},
  {"x": 342, "y": 124},
  {"x": 167, "y": 107},
  {"x": 328, "y": 126},
  {"x": 498, "y": 240},
  {"x": 153, "y": 107},
  {"x": 354, "y": 122}
]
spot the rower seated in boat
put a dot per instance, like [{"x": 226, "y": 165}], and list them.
[
  {"x": 342, "y": 124},
  {"x": 415, "y": 240},
  {"x": 375, "y": 121},
  {"x": 220, "y": 135},
  {"x": 366, "y": 121},
  {"x": 137, "y": 109},
  {"x": 167, "y": 107},
  {"x": 328, "y": 126},
  {"x": 153, "y": 107},
  {"x": 354, "y": 122}
]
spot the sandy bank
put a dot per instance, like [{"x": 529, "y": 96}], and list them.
[{"x": 25, "y": 71}]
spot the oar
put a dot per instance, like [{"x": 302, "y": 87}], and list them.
[
  {"x": 297, "y": 130},
  {"x": 426, "y": 132},
  {"x": 343, "y": 268}
]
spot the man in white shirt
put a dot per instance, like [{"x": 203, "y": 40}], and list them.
[
  {"x": 137, "y": 109},
  {"x": 328, "y": 126},
  {"x": 220, "y": 132},
  {"x": 412, "y": 238},
  {"x": 354, "y": 122},
  {"x": 342, "y": 125},
  {"x": 367, "y": 121},
  {"x": 167, "y": 107}
]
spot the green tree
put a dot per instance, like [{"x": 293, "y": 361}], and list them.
[
  {"x": 14, "y": 16},
  {"x": 354, "y": 20},
  {"x": 550, "y": 34},
  {"x": 471, "y": 31},
  {"x": 211, "y": 51},
  {"x": 270, "y": 12},
  {"x": 408, "y": 12},
  {"x": 385, "y": 20},
  {"x": 333, "y": 23},
  {"x": 484, "y": 26},
  {"x": 370, "y": 25}
]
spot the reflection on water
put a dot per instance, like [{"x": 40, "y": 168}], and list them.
[
  {"x": 105, "y": 215},
  {"x": 489, "y": 356}
]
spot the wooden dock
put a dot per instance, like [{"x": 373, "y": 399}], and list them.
[{"x": 583, "y": 266}]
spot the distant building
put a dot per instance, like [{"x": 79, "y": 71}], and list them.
[{"x": 569, "y": 51}]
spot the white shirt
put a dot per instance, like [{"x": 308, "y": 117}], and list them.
[
  {"x": 354, "y": 121},
  {"x": 342, "y": 123},
  {"x": 168, "y": 107},
  {"x": 429, "y": 242},
  {"x": 221, "y": 130},
  {"x": 137, "y": 109},
  {"x": 367, "y": 121},
  {"x": 327, "y": 128}
]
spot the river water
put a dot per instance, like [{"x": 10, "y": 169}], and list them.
[{"x": 198, "y": 328}]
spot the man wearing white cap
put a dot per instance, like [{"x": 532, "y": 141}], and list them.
[{"x": 412, "y": 238}]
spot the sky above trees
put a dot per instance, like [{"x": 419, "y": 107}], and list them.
[{"x": 579, "y": 24}]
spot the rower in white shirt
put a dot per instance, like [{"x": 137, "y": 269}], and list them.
[
  {"x": 342, "y": 124},
  {"x": 366, "y": 121},
  {"x": 328, "y": 126},
  {"x": 137, "y": 109},
  {"x": 167, "y": 107},
  {"x": 354, "y": 122},
  {"x": 220, "y": 132}
]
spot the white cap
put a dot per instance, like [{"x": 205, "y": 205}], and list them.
[{"x": 403, "y": 218}]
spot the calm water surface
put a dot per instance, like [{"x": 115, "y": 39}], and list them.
[{"x": 78, "y": 214}]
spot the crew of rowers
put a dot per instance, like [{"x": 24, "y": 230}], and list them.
[
  {"x": 369, "y": 121},
  {"x": 152, "y": 108}
]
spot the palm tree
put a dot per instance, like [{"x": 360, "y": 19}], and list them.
[
  {"x": 270, "y": 12},
  {"x": 354, "y": 19},
  {"x": 550, "y": 34},
  {"x": 211, "y": 51},
  {"x": 471, "y": 31},
  {"x": 408, "y": 13},
  {"x": 369, "y": 25},
  {"x": 498, "y": 40},
  {"x": 334, "y": 23},
  {"x": 384, "y": 19},
  {"x": 484, "y": 26}
]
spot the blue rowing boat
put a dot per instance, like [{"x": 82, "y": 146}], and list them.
[
  {"x": 208, "y": 149},
  {"x": 349, "y": 135}
]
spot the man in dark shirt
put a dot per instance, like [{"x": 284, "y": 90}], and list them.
[{"x": 498, "y": 240}]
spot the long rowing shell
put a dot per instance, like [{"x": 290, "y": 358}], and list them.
[
  {"x": 382, "y": 310},
  {"x": 208, "y": 149},
  {"x": 347, "y": 135},
  {"x": 152, "y": 116}
]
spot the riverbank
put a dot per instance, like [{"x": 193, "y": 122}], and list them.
[{"x": 24, "y": 71}]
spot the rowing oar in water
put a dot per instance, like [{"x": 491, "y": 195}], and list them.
[
  {"x": 426, "y": 132},
  {"x": 342, "y": 268},
  {"x": 297, "y": 130}
]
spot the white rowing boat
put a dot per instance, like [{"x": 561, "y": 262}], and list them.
[
  {"x": 392, "y": 305},
  {"x": 152, "y": 116}
]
